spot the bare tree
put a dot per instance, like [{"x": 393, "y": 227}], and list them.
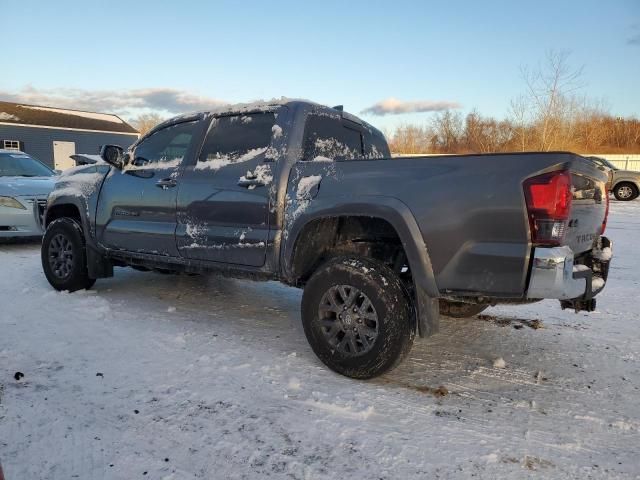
[
  {"x": 485, "y": 134},
  {"x": 447, "y": 128},
  {"x": 549, "y": 88},
  {"x": 410, "y": 139},
  {"x": 520, "y": 118},
  {"x": 146, "y": 121}
]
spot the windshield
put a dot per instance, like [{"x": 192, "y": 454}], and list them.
[
  {"x": 605, "y": 162},
  {"x": 22, "y": 165}
]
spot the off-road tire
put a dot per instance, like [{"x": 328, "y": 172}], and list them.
[
  {"x": 395, "y": 321},
  {"x": 460, "y": 309},
  {"x": 68, "y": 232},
  {"x": 625, "y": 191}
]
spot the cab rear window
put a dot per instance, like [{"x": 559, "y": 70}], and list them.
[{"x": 329, "y": 138}]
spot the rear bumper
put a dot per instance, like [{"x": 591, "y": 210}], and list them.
[{"x": 555, "y": 275}]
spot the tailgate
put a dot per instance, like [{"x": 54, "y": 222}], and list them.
[{"x": 589, "y": 204}]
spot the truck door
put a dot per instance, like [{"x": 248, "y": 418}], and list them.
[
  {"x": 137, "y": 205},
  {"x": 223, "y": 198}
]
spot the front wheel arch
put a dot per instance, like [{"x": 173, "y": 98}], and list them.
[{"x": 65, "y": 210}]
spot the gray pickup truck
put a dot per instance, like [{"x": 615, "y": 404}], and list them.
[{"x": 309, "y": 195}]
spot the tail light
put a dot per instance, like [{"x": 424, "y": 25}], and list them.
[
  {"x": 606, "y": 213},
  {"x": 548, "y": 198}
]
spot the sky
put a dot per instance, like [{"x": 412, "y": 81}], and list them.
[{"x": 389, "y": 62}]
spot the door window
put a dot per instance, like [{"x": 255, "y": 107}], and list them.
[
  {"x": 237, "y": 138},
  {"x": 329, "y": 138},
  {"x": 165, "y": 148}
]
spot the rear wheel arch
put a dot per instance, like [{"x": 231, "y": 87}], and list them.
[
  {"x": 330, "y": 236},
  {"x": 389, "y": 210}
]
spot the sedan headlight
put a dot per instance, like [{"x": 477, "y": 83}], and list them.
[{"x": 11, "y": 203}]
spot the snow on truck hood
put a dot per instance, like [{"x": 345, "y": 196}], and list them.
[
  {"x": 81, "y": 181},
  {"x": 26, "y": 186},
  {"x": 90, "y": 168}
]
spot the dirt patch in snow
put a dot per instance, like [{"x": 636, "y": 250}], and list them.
[{"x": 516, "y": 323}]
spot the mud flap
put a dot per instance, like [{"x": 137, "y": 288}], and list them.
[
  {"x": 98, "y": 266},
  {"x": 428, "y": 313}
]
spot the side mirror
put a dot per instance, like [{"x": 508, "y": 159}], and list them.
[
  {"x": 57, "y": 172},
  {"x": 113, "y": 155}
]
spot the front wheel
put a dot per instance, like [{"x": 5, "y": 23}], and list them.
[
  {"x": 357, "y": 317},
  {"x": 625, "y": 191},
  {"x": 63, "y": 255}
]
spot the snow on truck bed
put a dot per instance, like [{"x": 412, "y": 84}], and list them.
[{"x": 205, "y": 377}]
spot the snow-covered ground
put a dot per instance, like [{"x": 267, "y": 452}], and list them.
[{"x": 165, "y": 377}]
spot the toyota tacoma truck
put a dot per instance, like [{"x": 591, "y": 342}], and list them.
[{"x": 309, "y": 195}]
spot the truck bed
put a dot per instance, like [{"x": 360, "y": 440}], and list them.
[{"x": 471, "y": 209}]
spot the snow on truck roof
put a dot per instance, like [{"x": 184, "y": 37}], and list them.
[
  {"x": 259, "y": 105},
  {"x": 262, "y": 104}
]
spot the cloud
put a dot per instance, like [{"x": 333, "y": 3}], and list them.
[
  {"x": 393, "y": 106},
  {"x": 634, "y": 39},
  {"x": 123, "y": 102}
]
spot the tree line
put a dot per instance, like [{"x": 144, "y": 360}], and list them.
[{"x": 584, "y": 132}]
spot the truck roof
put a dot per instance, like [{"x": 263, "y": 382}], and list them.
[{"x": 296, "y": 103}]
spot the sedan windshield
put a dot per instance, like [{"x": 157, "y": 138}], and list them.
[
  {"x": 22, "y": 165},
  {"x": 606, "y": 163}
]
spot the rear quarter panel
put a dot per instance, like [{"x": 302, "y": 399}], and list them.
[{"x": 470, "y": 210}]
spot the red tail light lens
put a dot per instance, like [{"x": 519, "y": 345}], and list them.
[{"x": 548, "y": 198}]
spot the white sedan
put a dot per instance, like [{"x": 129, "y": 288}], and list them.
[{"x": 25, "y": 184}]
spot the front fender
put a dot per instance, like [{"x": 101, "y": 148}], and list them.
[
  {"x": 78, "y": 187},
  {"x": 68, "y": 200}
]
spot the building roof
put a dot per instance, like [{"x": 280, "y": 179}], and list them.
[{"x": 22, "y": 114}]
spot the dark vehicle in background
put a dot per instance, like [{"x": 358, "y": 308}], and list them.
[
  {"x": 308, "y": 195},
  {"x": 25, "y": 184},
  {"x": 624, "y": 184}
]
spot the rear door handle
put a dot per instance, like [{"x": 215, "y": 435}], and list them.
[
  {"x": 166, "y": 183},
  {"x": 251, "y": 182}
]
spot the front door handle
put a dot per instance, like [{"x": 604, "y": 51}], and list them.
[{"x": 166, "y": 183}]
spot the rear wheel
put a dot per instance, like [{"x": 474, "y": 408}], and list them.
[
  {"x": 625, "y": 191},
  {"x": 460, "y": 309},
  {"x": 63, "y": 255},
  {"x": 357, "y": 317}
]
